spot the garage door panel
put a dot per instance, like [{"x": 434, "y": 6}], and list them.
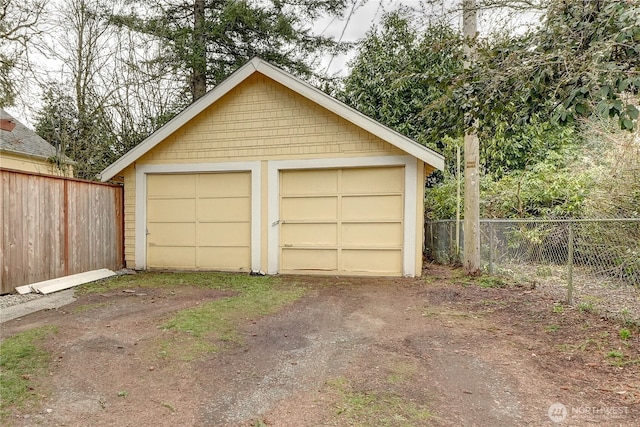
[
  {"x": 372, "y": 180},
  {"x": 224, "y": 209},
  {"x": 305, "y": 182},
  {"x": 373, "y": 261},
  {"x": 224, "y": 184},
  {"x": 171, "y": 210},
  {"x": 171, "y": 257},
  {"x": 357, "y": 213},
  {"x": 224, "y": 258},
  {"x": 368, "y": 234},
  {"x": 309, "y": 259},
  {"x": 171, "y": 185},
  {"x": 199, "y": 221},
  {"x": 372, "y": 207},
  {"x": 311, "y": 208},
  {"x": 173, "y": 234},
  {"x": 223, "y": 234},
  {"x": 309, "y": 234}
]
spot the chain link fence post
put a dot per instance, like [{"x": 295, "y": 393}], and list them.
[
  {"x": 491, "y": 255},
  {"x": 570, "y": 266}
]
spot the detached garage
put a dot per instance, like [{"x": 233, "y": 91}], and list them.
[{"x": 267, "y": 173}]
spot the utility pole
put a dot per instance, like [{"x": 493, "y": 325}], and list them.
[{"x": 471, "y": 258}]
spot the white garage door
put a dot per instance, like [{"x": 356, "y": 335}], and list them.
[
  {"x": 343, "y": 221},
  {"x": 199, "y": 221}
]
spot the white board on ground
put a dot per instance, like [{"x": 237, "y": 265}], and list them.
[{"x": 66, "y": 282}]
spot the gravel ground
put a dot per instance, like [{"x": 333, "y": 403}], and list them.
[{"x": 14, "y": 299}]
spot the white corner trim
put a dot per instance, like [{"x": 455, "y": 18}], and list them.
[
  {"x": 141, "y": 201},
  {"x": 410, "y": 226},
  {"x": 410, "y": 164}
]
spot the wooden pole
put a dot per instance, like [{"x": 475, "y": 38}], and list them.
[
  {"x": 458, "y": 197},
  {"x": 471, "y": 259}
]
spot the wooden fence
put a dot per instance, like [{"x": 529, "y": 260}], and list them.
[{"x": 54, "y": 227}]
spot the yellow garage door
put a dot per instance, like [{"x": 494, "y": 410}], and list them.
[
  {"x": 199, "y": 221},
  {"x": 342, "y": 221}
]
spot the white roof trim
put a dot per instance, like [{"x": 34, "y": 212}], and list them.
[{"x": 256, "y": 64}]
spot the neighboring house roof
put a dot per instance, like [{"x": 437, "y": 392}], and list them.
[
  {"x": 18, "y": 139},
  {"x": 257, "y": 65}
]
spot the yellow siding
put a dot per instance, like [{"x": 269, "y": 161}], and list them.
[
  {"x": 258, "y": 120},
  {"x": 261, "y": 119},
  {"x": 29, "y": 164}
]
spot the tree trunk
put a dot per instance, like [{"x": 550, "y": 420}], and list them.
[{"x": 199, "y": 54}]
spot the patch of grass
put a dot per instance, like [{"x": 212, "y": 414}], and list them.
[
  {"x": 223, "y": 281},
  {"x": 184, "y": 347},
  {"x": 588, "y": 344},
  {"x": 219, "y": 319},
  {"x": 552, "y": 328},
  {"x": 615, "y": 354},
  {"x": 22, "y": 358},
  {"x": 544, "y": 272},
  {"x": 401, "y": 372},
  {"x": 624, "y": 334},
  {"x": 123, "y": 393},
  {"x": 487, "y": 282},
  {"x": 374, "y": 408},
  {"x": 491, "y": 282},
  {"x": 586, "y": 307},
  {"x": 558, "y": 308}
]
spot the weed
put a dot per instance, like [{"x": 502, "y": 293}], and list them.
[
  {"x": 552, "y": 328},
  {"x": 588, "y": 343},
  {"x": 259, "y": 423},
  {"x": 558, "y": 308},
  {"x": 544, "y": 272},
  {"x": 22, "y": 358},
  {"x": 491, "y": 282},
  {"x": 586, "y": 307},
  {"x": 615, "y": 354},
  {"x": 624, "y": 334},
  {"x": 627, "y": 319},
  {"x": 123, "y": 393}
]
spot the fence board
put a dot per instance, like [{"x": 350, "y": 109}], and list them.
[{"x": 54, "y": 226}]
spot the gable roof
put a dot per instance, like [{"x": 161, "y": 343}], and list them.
[
  {"x": 16, "y": 138},
  {"x": 257, "y": 65}
]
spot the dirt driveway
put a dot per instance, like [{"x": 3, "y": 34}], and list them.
[{"x": 436, "y": 351}]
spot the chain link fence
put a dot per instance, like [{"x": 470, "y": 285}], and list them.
[{"x": 593, "y": 264}]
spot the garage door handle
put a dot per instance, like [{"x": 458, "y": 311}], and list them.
[{"x": 274, "y": 223}]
